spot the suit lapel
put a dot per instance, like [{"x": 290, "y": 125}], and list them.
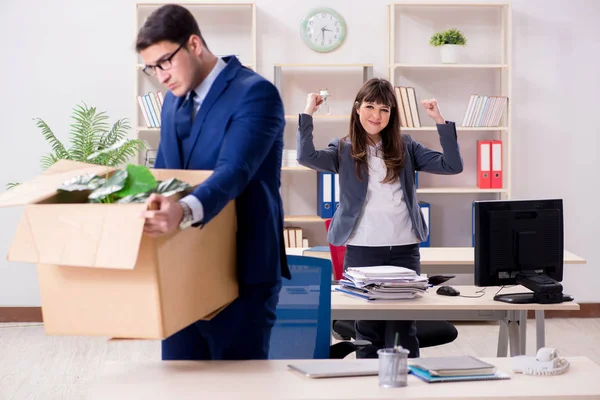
[
  {"x": 173, "y": 159},
  {"x": 217, "y": 88}
]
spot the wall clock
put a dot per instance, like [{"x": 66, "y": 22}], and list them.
[{"x": 323, "y": 29}]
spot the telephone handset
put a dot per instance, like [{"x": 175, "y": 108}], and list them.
[{"x": 546, "y": 362}]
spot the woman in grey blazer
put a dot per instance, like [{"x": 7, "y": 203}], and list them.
[{"x": 379, "y": 219}]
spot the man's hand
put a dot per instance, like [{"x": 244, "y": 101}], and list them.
[
  {"x": 432, "y": 109},
  {"x": 163, "y": 217}
]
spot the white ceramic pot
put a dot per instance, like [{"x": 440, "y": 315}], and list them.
[{"x": 449, "y": 53}]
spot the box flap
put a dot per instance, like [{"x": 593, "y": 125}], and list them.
[
  {"x": 43, "y": 186},
  {"x": 80, "y": 235}
]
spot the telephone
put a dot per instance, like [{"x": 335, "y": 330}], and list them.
[{"x": 546, "y": 362}]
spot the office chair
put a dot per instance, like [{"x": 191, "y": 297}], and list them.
[
  {"x": 429, "y": 333},
  {"x": 303, "y": 326}
]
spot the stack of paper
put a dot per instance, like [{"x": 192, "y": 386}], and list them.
[{"x": 385, "y": 282}]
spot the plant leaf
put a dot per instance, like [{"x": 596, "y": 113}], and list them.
[
  {"x": 172, "y": 186},
  {"x": 87, "y": 130},
  {"x": 48, "y": 160},
  {"x": 60, "y": 152},
  {"x": 165, "y": 188},
  {"x": 139, "y": 180},
  {"x": 83, "y": 182},
  {"x": 115, "y": 183},
  {"x": 117, "y": 133},
  {"x": 124, "y": 153}
]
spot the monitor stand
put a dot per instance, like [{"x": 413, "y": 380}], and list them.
[
  {"x": 545, "y": 290},
  {"x": 527, "y": 298}
]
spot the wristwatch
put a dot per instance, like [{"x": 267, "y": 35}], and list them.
[{"x": 188, "y": 218}]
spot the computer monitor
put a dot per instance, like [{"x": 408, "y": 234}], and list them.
[{"x": 520, "y": 242}]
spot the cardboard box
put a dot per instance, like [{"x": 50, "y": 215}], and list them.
[{"x": 99, "y": 275}]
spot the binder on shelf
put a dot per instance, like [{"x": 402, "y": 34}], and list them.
[
  {"x": 153, "y": 121},
  {"x": 496, "y": 164},
  {"x": 416, "y": 179},
  {"x": 336, "y": 192},
  {"x": 425, "y": 208},
  {"x": 484, "y": 164},
  {"x": 145, "y": 111},
  {"x": 325, "y": 198}
]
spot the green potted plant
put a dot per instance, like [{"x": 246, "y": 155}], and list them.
[
  {"x": 449, "y": 42},
  {"x": 93, "y": 140}
]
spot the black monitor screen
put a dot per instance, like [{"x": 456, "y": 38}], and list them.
[{"x": 517, "y": 237}]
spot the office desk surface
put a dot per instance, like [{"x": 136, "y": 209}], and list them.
[
  {"x": 272, "y": 380},
  {"x": 433, "y": 301},
  {"x": 466, "y": 256},
  {"x": 463, "y": 256}
]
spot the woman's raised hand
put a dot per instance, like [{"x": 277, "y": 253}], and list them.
[
  {"x": 313, "y": 101},
  {"x": 433, "y": 110}
]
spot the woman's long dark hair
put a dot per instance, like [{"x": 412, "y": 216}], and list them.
[{"x": 379, "y": 91}]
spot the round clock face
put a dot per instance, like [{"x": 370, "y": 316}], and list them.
[{"x": 323, "y": 30}]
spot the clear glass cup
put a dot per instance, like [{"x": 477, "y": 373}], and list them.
[
  {"x": 393, "y": 367},
  {"x": 324, "y": 108}
]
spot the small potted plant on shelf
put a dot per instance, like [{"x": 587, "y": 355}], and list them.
[{"x": 449, "y": 42}]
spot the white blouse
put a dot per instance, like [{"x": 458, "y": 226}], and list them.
[{"x": 384, "y": 218}]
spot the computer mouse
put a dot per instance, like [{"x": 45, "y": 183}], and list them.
[{"x": 447, "y": 291}]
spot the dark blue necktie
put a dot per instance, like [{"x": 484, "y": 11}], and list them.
[{"x": 183, "y": 117}]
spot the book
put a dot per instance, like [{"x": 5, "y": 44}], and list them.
[
  {"x": 453, "y": 366},
  {"x": 427, "y": 377}
]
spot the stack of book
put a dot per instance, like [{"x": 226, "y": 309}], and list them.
[
  {"x": 408, "y": 107},
  {"x": 289, "y": 158},
  {"x": 384, "y": 282},
  {"x": 484, "y": 111},
  {"x": 151, "y": 106},
  {"x": 452, "y": 369}
]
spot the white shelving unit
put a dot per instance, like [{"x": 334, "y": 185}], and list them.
[
  {"x": 484, "y": 69},
  {"x": 234, "y": 34}
]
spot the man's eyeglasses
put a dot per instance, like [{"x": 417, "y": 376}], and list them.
[{"x": 165, "y": 64}]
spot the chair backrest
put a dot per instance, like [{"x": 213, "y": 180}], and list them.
[
  {"x": 337, "y": 256},
  {"x": 303, "y": 326}
]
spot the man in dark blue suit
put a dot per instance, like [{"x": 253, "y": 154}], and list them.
[{"x": 219, "y": 115}]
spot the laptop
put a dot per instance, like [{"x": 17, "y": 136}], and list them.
[{"x": 337, "y": 368}]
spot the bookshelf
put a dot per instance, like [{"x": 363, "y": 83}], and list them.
[
  {"x": 483, "y": 68},
  {"x": 234, "y": 34},
  {"x": 294, "y": 81}
]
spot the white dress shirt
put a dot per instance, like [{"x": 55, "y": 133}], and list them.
[
  {"x": 201, "y": 92},
  {"x": 384, "y": 218}
]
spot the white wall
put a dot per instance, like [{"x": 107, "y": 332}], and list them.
[{"x": 59, "y": 54}]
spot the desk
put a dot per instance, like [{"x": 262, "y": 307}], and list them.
[
  {"x": 224, "y": 380},
  {"x": 460, "y": 260},
  {"x": 512, "y": 317},
  {"x": 444, "y": 260}
]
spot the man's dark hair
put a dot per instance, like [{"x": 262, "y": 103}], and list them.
[{"x": 170, "y": 22}]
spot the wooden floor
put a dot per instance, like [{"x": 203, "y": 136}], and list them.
[{"x": 36, "y": 366}]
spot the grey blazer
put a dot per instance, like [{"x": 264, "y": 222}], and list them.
[{"x": 353, "y": 191}]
